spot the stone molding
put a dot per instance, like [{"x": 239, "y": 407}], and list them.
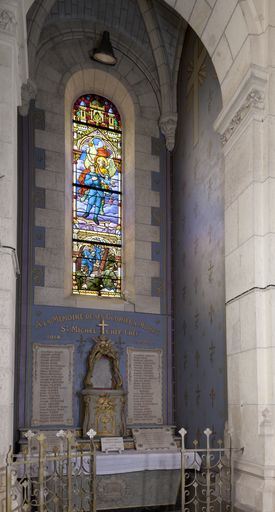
[
  {"x": 249, "y": 99},
  {"x": 28, "y": 93},
  {"x": 253, "y": 470},
  {"x": 254, "y": 99},
  {"x": 7, "y": 21},
  {"x": 168, "y": 126}
]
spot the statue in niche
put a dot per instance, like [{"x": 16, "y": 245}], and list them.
[{"x": 104, "y": 398}]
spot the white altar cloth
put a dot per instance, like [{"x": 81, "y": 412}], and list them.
[
  {"x": 128, "y": 461},
  {"x": 131, "y": 461}
]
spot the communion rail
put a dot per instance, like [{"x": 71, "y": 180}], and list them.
[
  {"x": 211, "y": 488},
  {"x": 64, "y": 479}
]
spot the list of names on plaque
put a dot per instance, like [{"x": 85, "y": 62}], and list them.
[
  {"x": 52, "y": 384},
  {"x": 144, "y": 386}
]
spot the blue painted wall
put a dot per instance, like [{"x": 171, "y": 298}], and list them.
[
  {"x": 198, "y": 255},
  {"x": 59, "y": 325}
]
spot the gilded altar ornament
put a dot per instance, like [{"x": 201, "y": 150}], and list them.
[
  {"x": 104, "y": 406},
  {"x": 103, "y": 348},
  {"x": 105, "y": 415}
]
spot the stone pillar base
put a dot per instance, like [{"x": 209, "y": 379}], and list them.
[{"x": 255, "y": 492}]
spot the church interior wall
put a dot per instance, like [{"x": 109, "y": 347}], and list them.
[
  {"x": 239, "y": 38},
  {"x": 198, "y": 250},
  {"x": 139, "y": 318}
]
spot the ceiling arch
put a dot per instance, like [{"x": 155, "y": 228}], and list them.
[{"x": 208, "y": 22}]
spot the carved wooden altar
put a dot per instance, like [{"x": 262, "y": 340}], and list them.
[{"x": 103, "y": 395}]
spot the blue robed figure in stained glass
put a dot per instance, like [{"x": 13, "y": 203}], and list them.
[
  {"x": 96, "y": 197},
  {"x": 99, "y": 180}
]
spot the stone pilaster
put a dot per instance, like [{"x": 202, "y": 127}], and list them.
[
  {"x": 12, "y": 73},
  {"x": 244, "y": 125}
]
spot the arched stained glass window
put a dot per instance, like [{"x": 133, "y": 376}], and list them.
[{"x": 97, "y": 139}]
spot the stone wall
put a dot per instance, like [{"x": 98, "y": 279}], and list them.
[
  {"x": 59, "y": 82},
  {"x": 142, "y": 166}
]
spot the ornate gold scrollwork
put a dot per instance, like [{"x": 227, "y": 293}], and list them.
[
  {"x": 105, "y": 415},
  {"x": 103, "y": 348}
]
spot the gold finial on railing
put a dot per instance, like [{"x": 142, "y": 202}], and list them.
[
  {"x": 41, "y": 438},
  {"x": 29, "y": 435},
  {"x": 70, "y": 436},
  {"x": 61, "y": 433},
  {"x": 91, "y": 433},
  {"x": 182, "y": 433}
]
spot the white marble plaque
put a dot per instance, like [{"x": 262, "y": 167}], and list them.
[
  {"x": 112, "y": 444},
  {"x": 144, "y": 386},
  {"x": 154, "y": 439},
  {"x": 52, "y": 391}
]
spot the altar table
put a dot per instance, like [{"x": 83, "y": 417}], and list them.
[
  {"x": 130, "y": 479},
  {"x": 137, "y": 479}
]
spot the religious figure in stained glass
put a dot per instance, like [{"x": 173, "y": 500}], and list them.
[{"x": 97, "y": 138}]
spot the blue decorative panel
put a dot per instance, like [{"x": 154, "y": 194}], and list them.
[
  {"x": 39, "y": 158},
  {"x": 198, "y": 248},
  {"x": 155, "y": 251},
  {"x": 39, "y": 236},
  {"x": 155, "y": 181},
  {"x": 79, "y": 327}
]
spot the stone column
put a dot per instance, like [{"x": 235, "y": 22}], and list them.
[
  {"x": 245, "y": 125},
  {"x": 13, "y": 72}
]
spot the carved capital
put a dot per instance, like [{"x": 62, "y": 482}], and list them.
[
  {"x": 248, "y": 102},
  {"x": 7, "y": 21},
  {"x": 255, "y": 99},
  {"x": 28, "y": 93},
  {"x": 168, "y": 126}
]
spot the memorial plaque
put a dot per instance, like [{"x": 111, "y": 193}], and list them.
[
  {"x": 154, "y": 439},
  {"x": 144, "y": 386},
  {"x": 112, "y": 444},
  {"x": 52, "y": 385}
]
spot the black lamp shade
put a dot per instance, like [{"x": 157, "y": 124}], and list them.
[{"x": 104, "y": 53}]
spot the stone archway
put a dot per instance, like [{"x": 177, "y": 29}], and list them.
[{"x": 216, "y": 26}]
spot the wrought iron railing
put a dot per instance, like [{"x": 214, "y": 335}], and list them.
[
  {"x": 211, "y": 488},
  {"x": 64, "y": 479}
]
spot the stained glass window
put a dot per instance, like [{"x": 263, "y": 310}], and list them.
[{"x": 97, "y": 139}]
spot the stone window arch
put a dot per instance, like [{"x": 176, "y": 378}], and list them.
[{"x": 103, "y": 85}]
